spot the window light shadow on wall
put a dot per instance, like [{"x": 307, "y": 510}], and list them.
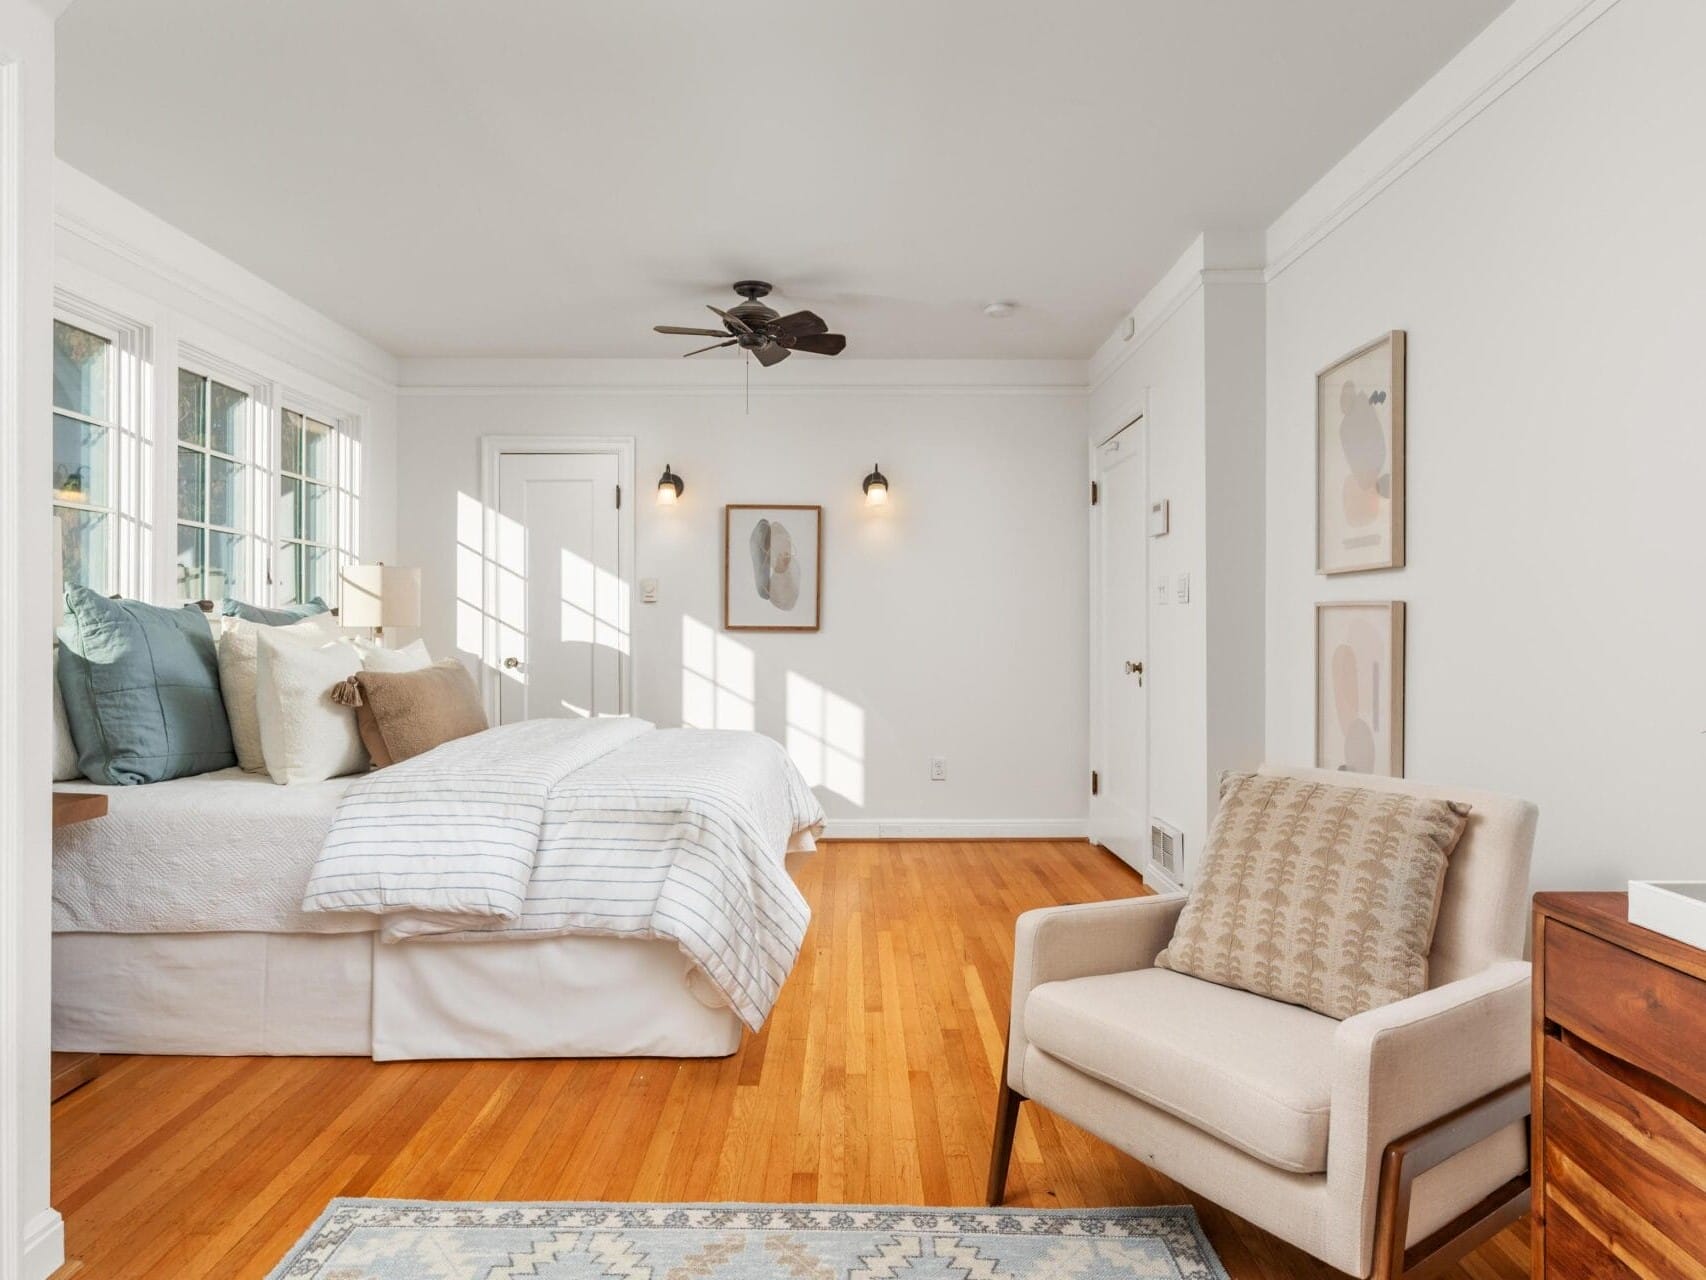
[
  {"x": 826, "y": 738},
  {"x": 491, "y": 598},
  {"x": 718, "y": 679}
]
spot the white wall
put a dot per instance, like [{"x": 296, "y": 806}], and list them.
[
  {"x": 31, "y": 1234},
  {"x": 1193, "y": 367},
  {"x": 953, "y": 620},
  {"x": 1548, "y": 264},
  {"x": 116, "y": 254}
]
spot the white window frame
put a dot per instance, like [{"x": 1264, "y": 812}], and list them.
[
  {"x": 345, "y": 482},
  {"x": 130, "y": 502},
  {"x": 254, "y": 450}
]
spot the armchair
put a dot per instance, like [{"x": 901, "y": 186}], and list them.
[{"x": 1386, "y": 1144}]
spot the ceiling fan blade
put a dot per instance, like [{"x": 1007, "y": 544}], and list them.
[
  {"x": 734, "y": 322},
  {"x": 797, "y": 325},
  {"x": 770, "y": 354},
  {"x": 696, "y": 333},
  {"x": 712, "y": 347},
  {"x": 823, "y": 344}
]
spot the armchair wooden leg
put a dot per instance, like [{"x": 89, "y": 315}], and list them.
[
  {"x": 1409, "y": 1157},
  {"x": 1006, "y": 1121}
]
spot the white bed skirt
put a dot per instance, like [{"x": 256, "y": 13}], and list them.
[{"x": 349, "y": 995}]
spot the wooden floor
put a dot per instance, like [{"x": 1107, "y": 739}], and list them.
[{"x": 874, "y": 1082}]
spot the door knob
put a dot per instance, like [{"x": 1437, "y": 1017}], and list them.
[
  {"x": 514, "y": 664},
  {"x": 1135, "y": 669}
]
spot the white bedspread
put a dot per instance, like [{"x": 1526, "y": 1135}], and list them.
[
  {"x": 225, "y": 852},
  {"x": 604, "y": 827}
]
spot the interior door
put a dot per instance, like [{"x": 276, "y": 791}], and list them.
[
  {"x": 561, "y": 603},
  {"x": 1121, "y": 806}
]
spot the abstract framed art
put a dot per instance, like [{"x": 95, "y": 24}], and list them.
[
  {"x": 1359, "y": 459},
  {"x": 1359, "y": 686},
  {"x": 772, "y": 567}
]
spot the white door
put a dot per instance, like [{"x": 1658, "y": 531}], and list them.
[
  {"x": 561, "y": 603},
  {"x": 1120, "y": 809}
]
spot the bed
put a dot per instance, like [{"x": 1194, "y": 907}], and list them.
[{"x": 196, "y": 918}]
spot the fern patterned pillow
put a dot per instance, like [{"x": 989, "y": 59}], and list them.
[{"x": 1317, "y": 895}]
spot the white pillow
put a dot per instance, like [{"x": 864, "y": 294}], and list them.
[
  {"x": 305, "y": 736},
  {"x": 411, "y": 657},
  {"x": 237, "y": 677},
  {"x": 65, "y": 765}
]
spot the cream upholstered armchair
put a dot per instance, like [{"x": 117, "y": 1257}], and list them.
[{"x": 1385, "y": 1144}]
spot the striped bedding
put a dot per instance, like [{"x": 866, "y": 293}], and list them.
[{"x": 609, "y": 827}]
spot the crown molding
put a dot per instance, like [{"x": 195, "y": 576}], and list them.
[
  {"x": 1512, "y": 46},
  {"x": 86, "y": 210},
  {"x": 484, "y": 376}
]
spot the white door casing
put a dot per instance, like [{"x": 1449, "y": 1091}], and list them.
[
  {"x": 1120, "y": 808},
  {"x": 559, "y": 538}
]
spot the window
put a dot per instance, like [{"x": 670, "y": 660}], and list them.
[
  {"x": 85, "y": 429},
  {"x": 213, "y": 433},
  {"x": 308, "y": 500}
]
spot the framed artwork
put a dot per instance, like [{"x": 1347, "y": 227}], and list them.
[
  {"x": 1359, "y": 459},
  {"x": 772, "y": 567},
  {"x": 1359, "y": 687}
]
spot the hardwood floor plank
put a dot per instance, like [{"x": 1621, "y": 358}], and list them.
[{"x": 874, "y": 1081}]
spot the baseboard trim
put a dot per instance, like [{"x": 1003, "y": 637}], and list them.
[
  {"x": 955, "y": 829},
  {"x": 44, "y": 1246}
]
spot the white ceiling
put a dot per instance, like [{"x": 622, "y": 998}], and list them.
[{"x": 552, "y": 177}]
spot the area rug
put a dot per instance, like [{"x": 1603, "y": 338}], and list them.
[{"x": 412, "y": 1240}]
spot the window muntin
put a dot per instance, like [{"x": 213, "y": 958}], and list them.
[
  {"x": 308, "y": 524},
  {"x": 213, "y": 519},
  {"x": 85, "y": 431}
]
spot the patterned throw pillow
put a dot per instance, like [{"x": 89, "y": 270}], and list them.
[{"x": 1317, "y": 895}]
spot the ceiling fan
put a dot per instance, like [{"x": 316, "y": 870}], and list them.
[{"x": 760, "y": 329}]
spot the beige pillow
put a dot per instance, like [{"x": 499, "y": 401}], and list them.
[
  {"x": 305, "y": 735},
  {"x": 1317, "y": 895},
  {"x": 402, "y": 714},
  {"x": 237, "y": 673}
]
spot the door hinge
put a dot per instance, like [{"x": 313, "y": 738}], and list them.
[
  {"x": 1095, "y": 783},
  {"x": 619, "y": 497},
  {"x": 1095, "y": 494}
]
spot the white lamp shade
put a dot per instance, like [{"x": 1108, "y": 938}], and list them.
[{"x": 380, "y": 595}]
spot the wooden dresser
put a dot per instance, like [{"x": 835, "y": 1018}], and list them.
[{"x": 1619, "y": 1095}]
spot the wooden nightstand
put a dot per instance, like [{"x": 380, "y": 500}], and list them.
[
  {"x": 1619, "y": 1094},
  {"x": 73, "y": 1070}
]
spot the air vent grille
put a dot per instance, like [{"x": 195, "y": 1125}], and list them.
[{"x": 1166, "y": 849}]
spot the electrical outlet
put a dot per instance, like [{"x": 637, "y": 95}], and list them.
[
  {"x": 1161, "y": 589},
  {"x": 648, "y": 590},
  {"x": 938, "y": 769}
]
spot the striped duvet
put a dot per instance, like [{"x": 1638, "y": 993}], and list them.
[{"x": 609, "y": 827}]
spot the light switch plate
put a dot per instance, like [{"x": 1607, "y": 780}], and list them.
[
  {"x": 1161, "y": 589},
  {"x": 648, "y": 590},
  {"x": 1182, "y": 589}
]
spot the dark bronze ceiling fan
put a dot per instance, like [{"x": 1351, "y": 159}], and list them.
[{"x": 762, "y": 330}]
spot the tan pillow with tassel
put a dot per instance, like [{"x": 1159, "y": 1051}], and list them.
[{"x": 404, "y": 713}]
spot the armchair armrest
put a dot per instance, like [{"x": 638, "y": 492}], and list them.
[
  {"x": 1406, "y": 1065},
  {"x": 1054, "y": 944}
]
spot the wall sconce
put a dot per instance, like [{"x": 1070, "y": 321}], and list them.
[
  {"x": 669, "y": 487},
  {"x": 876, "y": 487}
]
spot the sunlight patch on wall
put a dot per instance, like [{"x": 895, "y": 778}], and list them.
[
  {"x": 594, "y": 605},
  {"x": 491, "y": 589},
  {"x": 826, "y": 738},
  {"x": 719, "y": 679}
]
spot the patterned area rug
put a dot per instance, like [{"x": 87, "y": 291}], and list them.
[{"x": 407, "y": 1240}]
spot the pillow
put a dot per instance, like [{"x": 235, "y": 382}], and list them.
[
  {"x": 1317, "y": 895},
  {"x": 282, "y": 616},
  {"x": 141, "y": 688},
  {"x": 402, "y": 714},
  {"x": 305, "y": 735},
  {"x": 237, "y": 657},
  {"x": 64, "y": 748},
  {"x": 411, "y": 657}
]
